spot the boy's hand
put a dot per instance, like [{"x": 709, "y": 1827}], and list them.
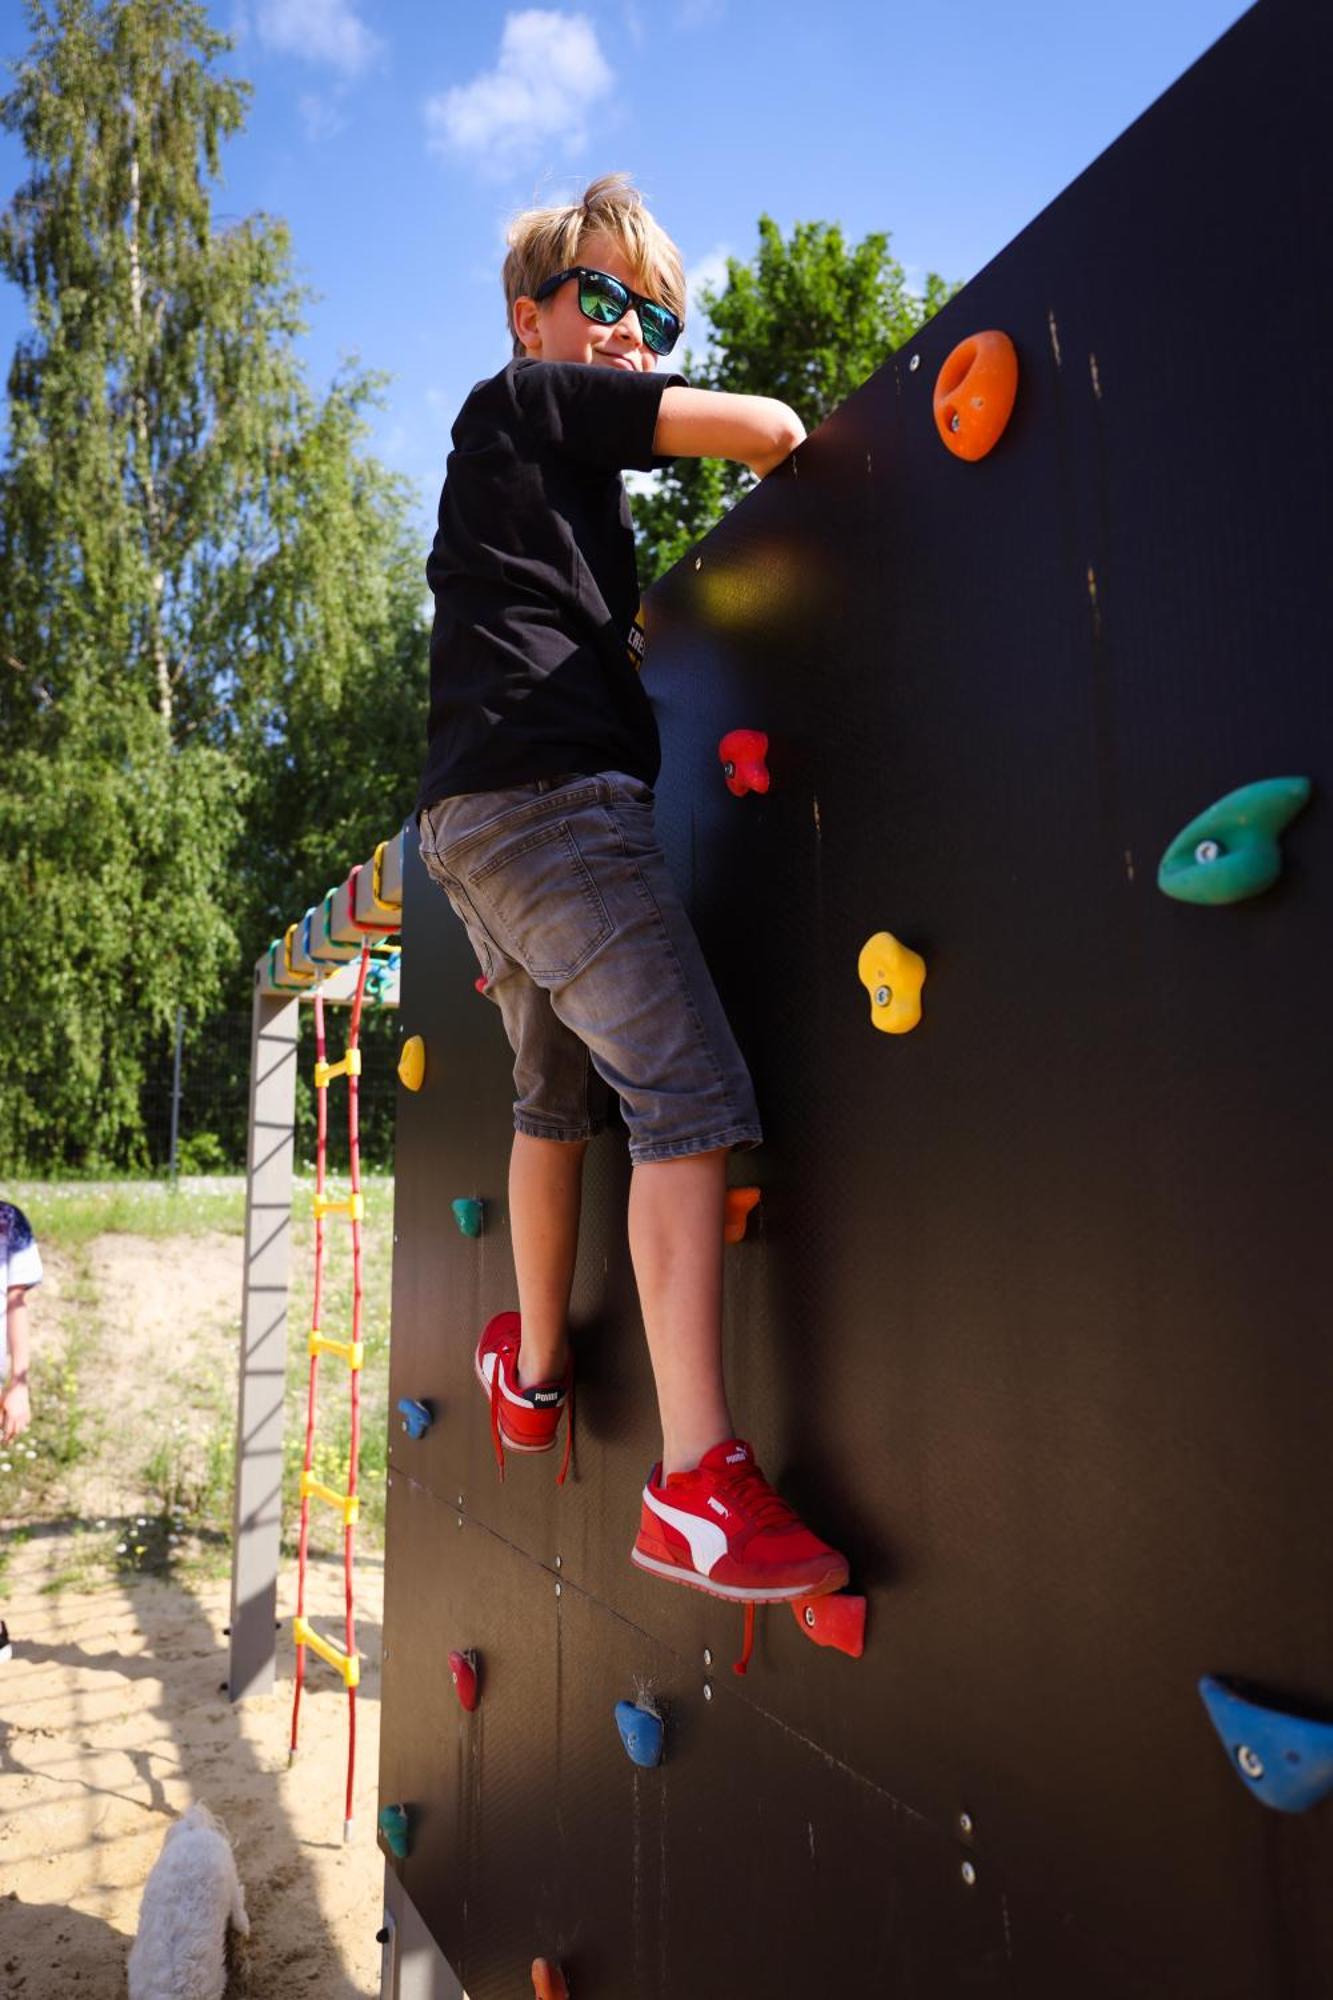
[
  {"x": 769, "y": 463},
  {"x": 15, "y": 1412}
]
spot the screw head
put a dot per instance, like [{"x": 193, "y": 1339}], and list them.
[
  {"x": 708, "y": 1656},
  {"x": 698, "y": 562},
  {"x": 955, "y": 422},
  {"x": 1207, "y": 850},
  {"x": 559, "y": 1562},
  {"x": 914, "y": 363},
  {"x": 809, "y": 1616},
  {"x": 883, "y": 995},
  {"x": 1251, "y": 1763},
  {"x": 969, "y": 1874},
  {"x": 460, "y": 1503},
  {"x": 460, "y": 1520},
  {"x": 965, "y": 1825},
  {"x": 708, "y": 1691}
]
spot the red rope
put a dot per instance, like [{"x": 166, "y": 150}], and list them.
[
  {"x": 354, "y": 1443},
  {"x": 354, "y": 1448},
  {"x": 321, "y": 1148}
]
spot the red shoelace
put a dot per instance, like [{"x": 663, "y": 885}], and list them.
[{"x": 497, "y": 1435}]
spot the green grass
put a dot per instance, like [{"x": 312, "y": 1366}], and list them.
[{"x": 69, "y": 1214}]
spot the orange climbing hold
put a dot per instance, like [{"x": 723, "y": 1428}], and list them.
[
  {"x": 548, "y": 1981},
  {"x": 739, "y": 1203},
  {"x": 974, "y": 394}
]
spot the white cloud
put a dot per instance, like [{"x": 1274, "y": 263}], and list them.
[
  {"x": 326, "y": 31},
  {"x": 709, "y": 270},
  {"x": 549, "y": 73}
]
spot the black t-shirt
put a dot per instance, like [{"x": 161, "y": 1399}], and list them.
[{"x": 536, "y": 644}]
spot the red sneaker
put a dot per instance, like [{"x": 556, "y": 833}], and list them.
[
  {"x": 523, "y": 1419},
  {"x": 723, "y": 1529}
]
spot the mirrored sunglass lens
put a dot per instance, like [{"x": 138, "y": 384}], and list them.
[
  {"x": 660, "y": 328},
  {"x": 602, "y": 299}
]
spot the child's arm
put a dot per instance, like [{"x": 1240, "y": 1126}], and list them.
[
  {"x": 15, "y": 1410},
  {"x": 757, "y": 431}
]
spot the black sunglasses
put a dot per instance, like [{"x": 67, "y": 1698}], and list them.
[{"x": 604, "y": 299}]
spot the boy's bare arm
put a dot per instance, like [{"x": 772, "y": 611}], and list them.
[{"x": 757, "y": 431}]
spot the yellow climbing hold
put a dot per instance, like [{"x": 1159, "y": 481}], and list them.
[
  {"x": 412, "y": 1063},
  {"x": 893, "y": 975}
]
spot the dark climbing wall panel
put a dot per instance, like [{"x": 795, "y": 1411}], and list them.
[{"x": 1032, "y": 1317}]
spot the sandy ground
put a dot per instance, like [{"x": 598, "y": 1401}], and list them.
[{"x": 113, "y": 1716}]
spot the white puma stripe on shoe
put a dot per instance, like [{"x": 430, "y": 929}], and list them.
[{"x": 708, "y": 1542}]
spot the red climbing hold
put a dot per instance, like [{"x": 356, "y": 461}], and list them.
[
  {"x": 974, "y": 394},
  {"x": 548, "y": 1981},
  {"x": 742, "y": 753},
  {"x": 836, "y": 1620},
  {"x": 480, "y": 984},
  {"x": 463, "y": 1667},
  {"x": 740, "y": 1201}
]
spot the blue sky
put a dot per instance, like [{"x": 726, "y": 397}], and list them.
[{"x": 397, "y": 136}]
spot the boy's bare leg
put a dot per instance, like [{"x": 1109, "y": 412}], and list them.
[
  {"x": 545, "y": 1191},
  {"x": 676, "y": 1214}
]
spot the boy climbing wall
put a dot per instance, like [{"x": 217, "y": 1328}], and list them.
[{"x": 536, "y": 818}]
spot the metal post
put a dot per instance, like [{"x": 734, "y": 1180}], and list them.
[
  {"x": 257, "y": 1518},
  {"x": 176, "y": 1090}
]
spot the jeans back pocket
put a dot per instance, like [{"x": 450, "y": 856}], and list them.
[{"x": 539, "y": 900}]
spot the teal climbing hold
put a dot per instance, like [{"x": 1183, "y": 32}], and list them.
[
  {"x": 393, "y": 1825},
  {"x": 467, "y": 1214},
  {"x": 1231, "y": 851}
]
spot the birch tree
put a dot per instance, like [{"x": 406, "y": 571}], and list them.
[{"x": 180, "y": 519}]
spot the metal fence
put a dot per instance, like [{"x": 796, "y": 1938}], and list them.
[{"x": 195, "y": 1102}]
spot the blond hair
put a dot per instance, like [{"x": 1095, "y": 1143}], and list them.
[{"x": 543, "y": 241}]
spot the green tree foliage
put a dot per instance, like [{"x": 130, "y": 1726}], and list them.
[
  {"x": 807, "y": 320},
  {"x": 212, "y": 667}
]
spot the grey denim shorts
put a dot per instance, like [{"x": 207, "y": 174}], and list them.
[{"x": 593, "y": 964}]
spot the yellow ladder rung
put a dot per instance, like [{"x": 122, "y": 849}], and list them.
[
  {"x": 353, "y": 1352},
  {"x": 348, "y": 1504},
  {"x": 326, "y": 1071},
  {"x": 353, "y": 1206},
  {"x": 348, "y": 1667}
]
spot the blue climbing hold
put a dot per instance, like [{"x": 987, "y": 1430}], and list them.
[
  {"x": 393, "y": 1826},
  {"x": 1286, "y": 1760},
  {"x": 467, "y": 1214},
  {"x": 417, "y": 1416},
  {"x": 641, "y": 1733}
]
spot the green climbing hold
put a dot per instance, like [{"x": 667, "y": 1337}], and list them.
[
  {"x": 468, "y": 1214},
  {"x": 1231, "y": 851}
]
